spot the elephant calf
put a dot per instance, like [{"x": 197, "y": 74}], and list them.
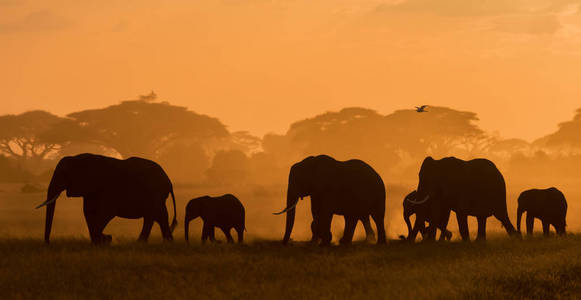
[
  {"x": 410, "y": 207},
  {"x": 548, "y": 205},
  {"x": 225, "y": 212}
]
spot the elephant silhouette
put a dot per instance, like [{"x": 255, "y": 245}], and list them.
[
  {"x": 469, "y": 188},
  {"x": 348, "y": 188},
  {"x": 132, "y": 188},
  {"x": 548, "y": 205},
  {"x": 410, "y": 208},
  {"x": 225, "y": 212}
]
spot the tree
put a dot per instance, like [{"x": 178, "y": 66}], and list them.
[
  {"x": 438, "y": 132},
  {"x": 229, "y": 167},
  {"x": 567, "y": 135},
  {"x": 26, "y": 136},
  {"x": 143, "y": 127}
]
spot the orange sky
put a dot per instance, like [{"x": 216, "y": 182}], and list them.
[{"x": 258, "y": 65}]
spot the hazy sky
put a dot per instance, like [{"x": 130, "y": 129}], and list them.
[{"x": 259, "y": 65}]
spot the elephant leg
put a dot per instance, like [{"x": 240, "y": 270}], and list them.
[
  {"x": 212, "y": 233},
  {"x": 369, "y": 233},
  {"x": 463, "y": 226},
  {"x": 546, "y": 228},
  {"x": 314, "y": 237},
  {"x": 481, "y": 229},
  {"x": 240, "y": 233},
  {"x": 164, "y": 224},
  {"x": 146, "y": 229},
  {"x": 379, "y": 223},
  {"x": 430, "y": 233},
  {"x": 324, "y": 228},
  {"x": 530, "y": 224},
  {"x": 350, "y": 224},
  {"x": 419, "y": 227},
  {"x": 560, "y": 228},
  {"x": 96, "y": 222},
  {"x": 445, "y": 234},
  {"x": 228, "y": 235},
  {"x": 205, "y": 232}
]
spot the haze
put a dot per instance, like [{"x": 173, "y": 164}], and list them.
[{"x": 260, "y": 65}]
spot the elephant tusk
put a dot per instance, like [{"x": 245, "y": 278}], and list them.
[
  {"x": 287, "y": 209},
  {"x": 418, "y": 202},
  {"x": 47, "y": 202}
]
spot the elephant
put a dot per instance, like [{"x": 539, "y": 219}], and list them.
[
  {"x": 225, "y": 212},
  {"x": 369, "y": 233},
  {"x": 548, "y": 205},
  {"x": 469, "y": 188},
  {"x": 409, "y": 209},
  {"x": 349, "y": 188},
  {"x": 132, "y": 188}
]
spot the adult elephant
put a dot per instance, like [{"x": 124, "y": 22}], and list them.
[
  {"x": 469, "y": 188},
  {"x": 411, "y": 208},
  {"x": 132, "y": 188},
  {"x": 348, "y": 188},
  {"x": 548, "y": 205}
]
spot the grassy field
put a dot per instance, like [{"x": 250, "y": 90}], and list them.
[
  {"x": 70, "y": 268},
  {"x": 500, "y": 268}
]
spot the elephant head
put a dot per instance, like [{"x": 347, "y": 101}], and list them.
[
  {"x": 194, "y": 209},
  {"x": 409, "y": 209},
  {"x": 68, "y": 175},
  {"x": 300, "y": 184},
  {"x": 428, "y": 185},
  {"x": 519, "y": 211}
]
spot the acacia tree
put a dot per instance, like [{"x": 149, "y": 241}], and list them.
[
  {"x": 144, "y": 127},
  {"x": 567, "y": 136},
  {"x": 439, "y": 132},
  {"x": 27, "y": 136}
]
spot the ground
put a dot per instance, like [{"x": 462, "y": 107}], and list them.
[{"x": 500, "y": 268}]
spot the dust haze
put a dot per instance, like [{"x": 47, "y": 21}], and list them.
[{"x": 203, "y": 157}]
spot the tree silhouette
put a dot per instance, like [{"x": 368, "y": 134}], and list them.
[
  {"x": 143, "y": 127},
  {"x": 567, "y": 135},
  {"x": 438, "y": 132},
  {"x": 27, "y": 136},
  {"x": 383, "y": 141},
  {"x": 229, "y": 167}
]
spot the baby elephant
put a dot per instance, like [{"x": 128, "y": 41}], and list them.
[
  {"x": 225, "y": 212},
  {"x": 548, "y": 205},
  {"x": 411, "y": 207}
]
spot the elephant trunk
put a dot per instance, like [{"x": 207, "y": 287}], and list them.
[
  {"x": 406, "y": 217},
  {"x": 54, "y": 190},
  {"x": 291, "y": 201},
  {"x": 187, "y": 227},
  {"x": 519, "y": 213}
]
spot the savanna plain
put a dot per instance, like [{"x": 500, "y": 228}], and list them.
[{"x": 262, "y": 268}]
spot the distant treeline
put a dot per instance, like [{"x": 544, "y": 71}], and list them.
[{"x": 195, "y": 148}]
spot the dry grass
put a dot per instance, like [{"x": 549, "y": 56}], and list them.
[{"x": 500, "y": 268}]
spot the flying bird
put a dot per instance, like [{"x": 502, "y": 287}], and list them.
[{"x": 421, "y": 109}]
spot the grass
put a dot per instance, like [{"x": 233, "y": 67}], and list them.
[{"x": 500, "y": 268}]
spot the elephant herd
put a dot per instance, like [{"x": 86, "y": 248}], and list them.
[{"x": 138, "y": 188}]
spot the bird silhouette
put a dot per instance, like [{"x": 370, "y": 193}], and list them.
[{"x": 421, "y": 109}]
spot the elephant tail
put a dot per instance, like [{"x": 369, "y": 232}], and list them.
[{"x": 174, "y": 223}]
